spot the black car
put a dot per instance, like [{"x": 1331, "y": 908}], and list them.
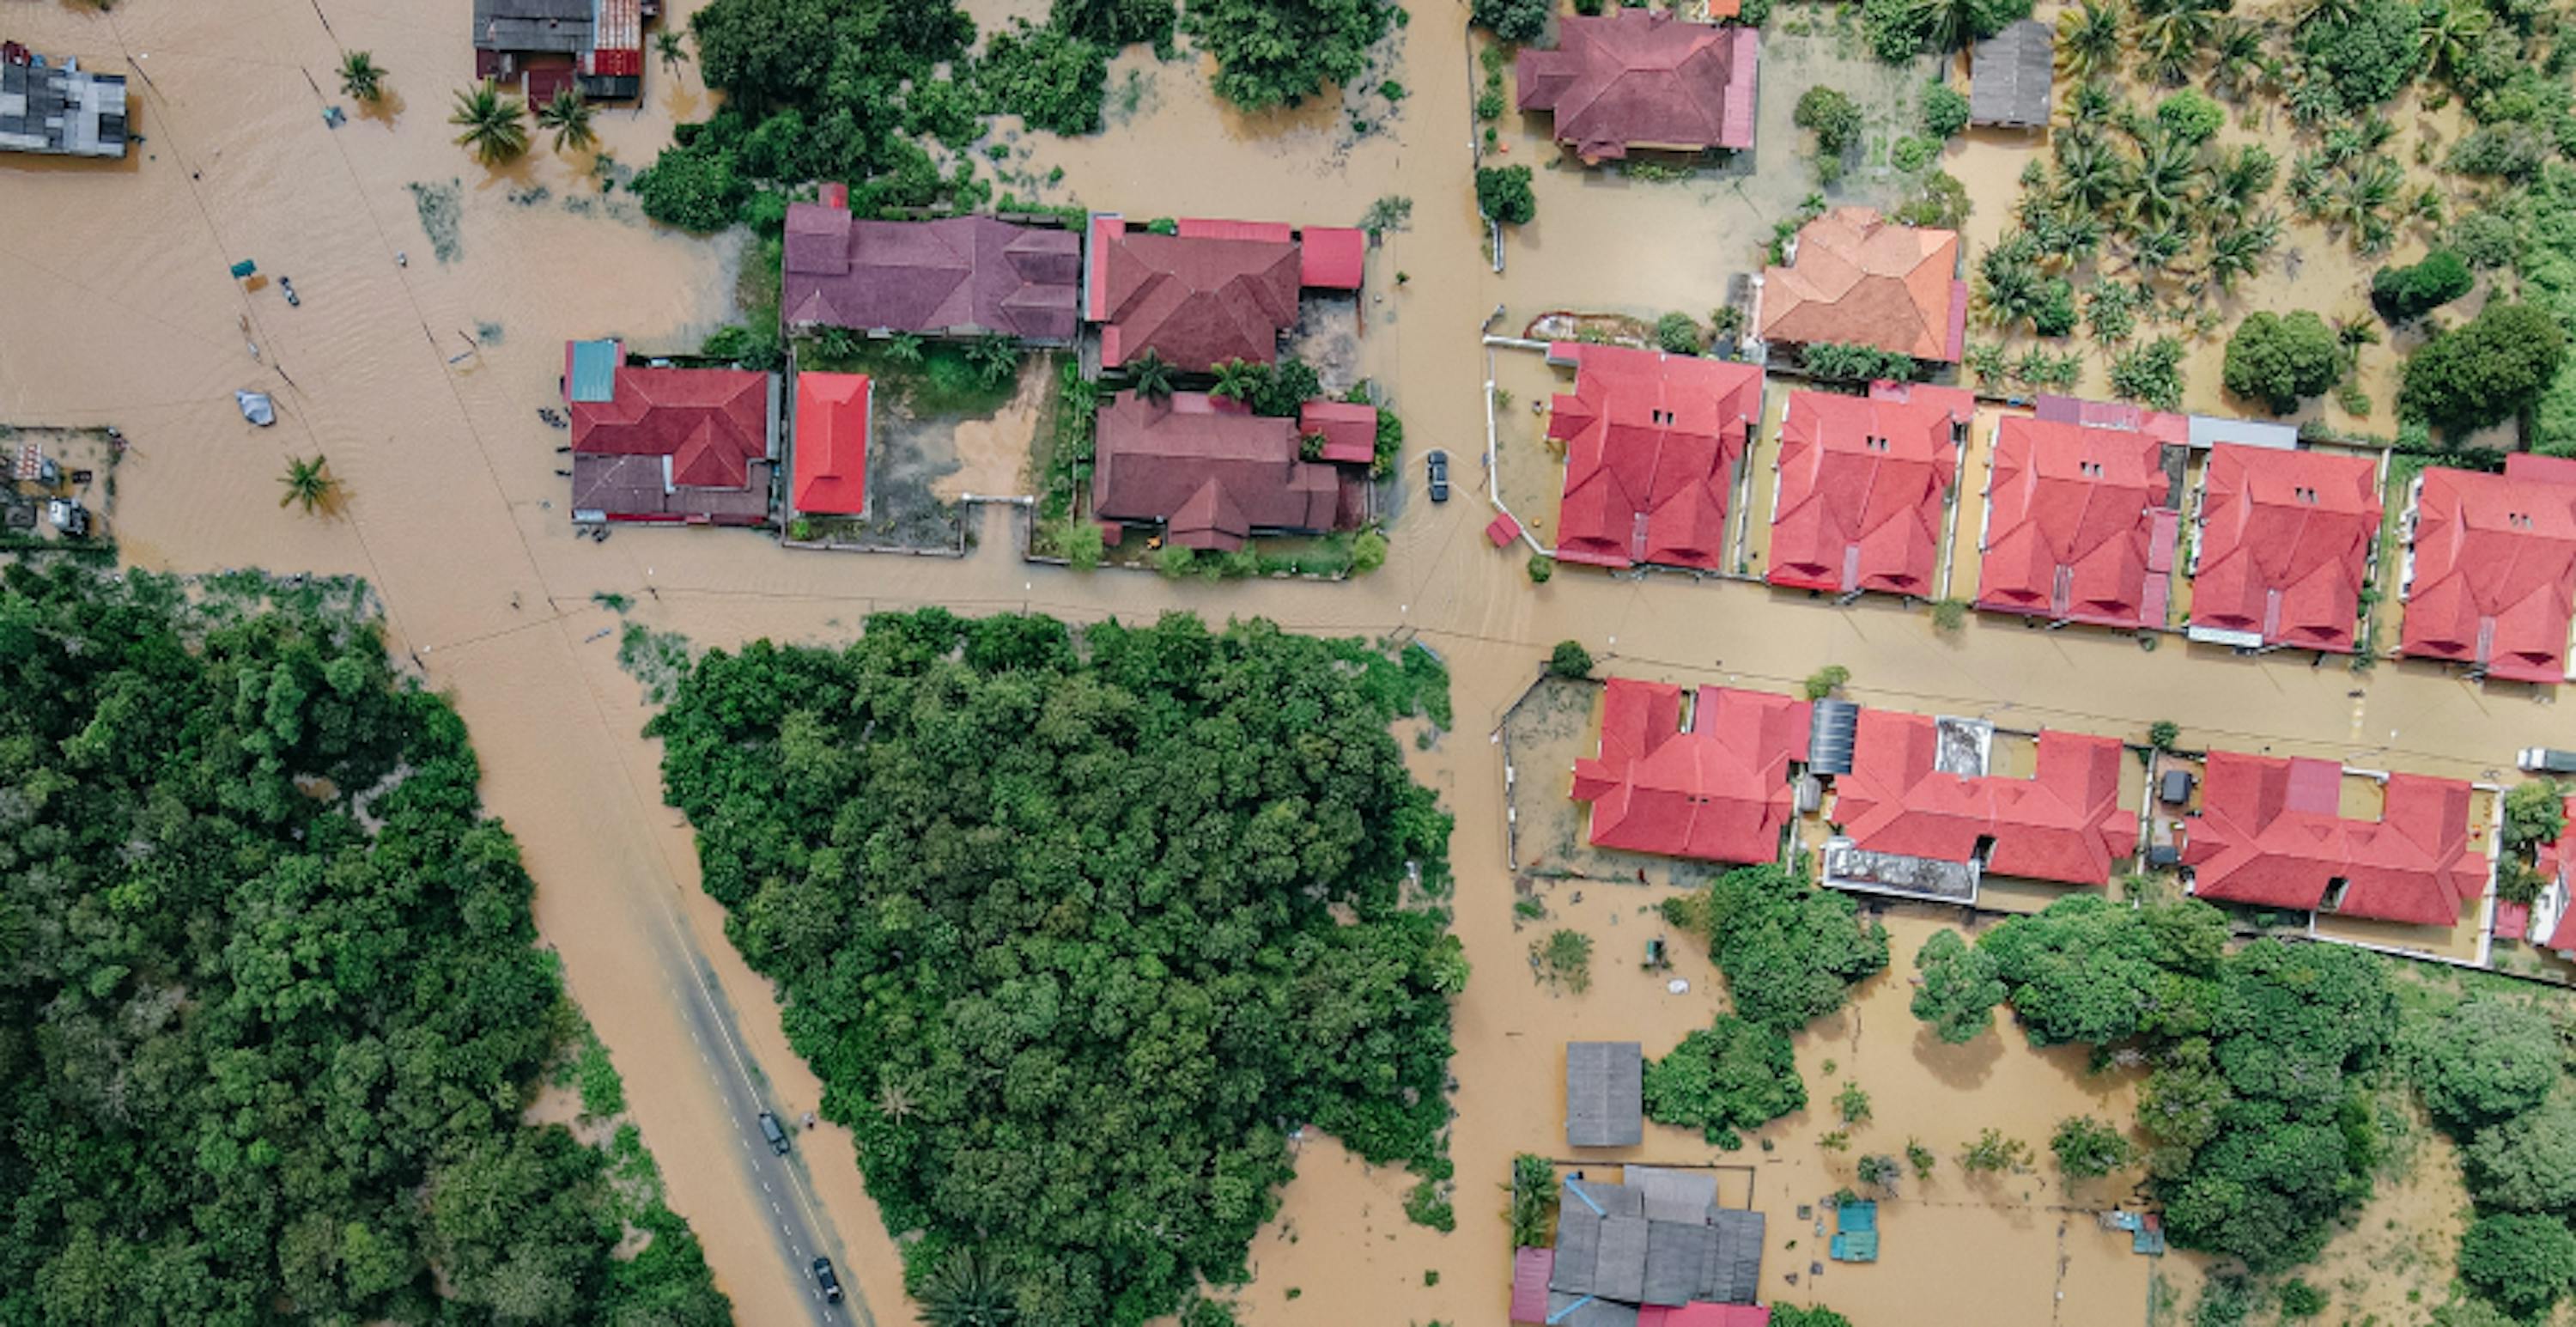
[
  {"x": 823, "y": 1277},
  {"x": 769, "y": 1129},
  {"x": 1437, "y": 463}
]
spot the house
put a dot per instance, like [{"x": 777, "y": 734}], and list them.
[
  {"x": 669, "y": 446},
  {"x": 1920, "y": 787},
  {"x": 1208, "y": 292},
  {"x": 544, "y": 46},
  {"x": 834, "y": 412},
  {"x": 1702, "y": 775},
  {"x": 61, "y": 109},
  {"x": 2271, "y": 833},
  {"x": 957, "y": 276},
  {"x": 1348, "y": 428},
  {"x": 1604, "y": 1094},
  {"x": 2009, "y": 79},
  {"x": 1855, "y": 278},
  {"x": 1859, "y": 489},
  {"x": 2285, "y": 541},
  {"x": 1212, "y": 473},
  {"x": 2490, "y": 571},
  {"x": 1658, "y": 1240},
  {"x": 1653, "y": 443},
  {"x": 2553, "y": 913},
  {"x": 2079, "y": 524},
  {"x": 1634, "y": 80}
]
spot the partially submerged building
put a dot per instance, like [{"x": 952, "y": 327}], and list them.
[
  {"x": 2080, "y": 524},
  {"x": 834, "y": 414},
  {"x": 2010, "y": 75},
  {"x": 1637, "y": 80},
  {"x": 1211, "y": 474},
  {"x": 1861, "y": 486},
  {"x": 61, "y": 109},
  {"x": 1921, "y": 788},
  {"x": 1604, "y": 1094},
  {"x": 1856, "y": 278},
  {"x": 953, "y": 277},
  {"x": 669, "y": 445},
  {"x": 2271, "y": 833},
  {"x": 1654, "y": 444},
  {"x": 1209, "y": 292},
  {"x": 1657, "y": 1241},
  {"x": 2285, "y": 541},
  {"x": 2490, "y": 568},
  {"x": 1700, "y": 774},
  {"x": 541, "y": 47}
]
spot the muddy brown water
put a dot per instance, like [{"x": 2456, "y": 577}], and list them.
[{"x": 121, "y": 312}]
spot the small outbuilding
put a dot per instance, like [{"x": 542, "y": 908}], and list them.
[
  {"x": 2009, "y": 80},
  {"x": 1605, "y": 1093}
]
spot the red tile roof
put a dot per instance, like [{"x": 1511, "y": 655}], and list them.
[
  {"x": 1195, "y": 301},
  {"x": 1861, "y": 481},
  {"x": 2285, "y": 539},
  {"x": 1651, "y": 447},
  {"x": 1502, "y": 530},
  {"x": 2065, "y": 823},
  {"x": 673, "y": 444},
  {"x": 1332, "y": 257},
  {"x": 2162, "y": 425},
  {"x": 2071, "y": 530},
  {"x": 1704, "y": 1314},
  {"x": 1719, "y": 792},
  {"x": 2555, "y": 861},
  {"x": 2494, "y": 573},
  {"x": 1858, "y": 279},
  {"x": 2270, "y": 834},
  {"x": 832, "y": 417},
  {"x": 1213, "y": 472},
  {"x": 1349, "y": 429},
  {"x": 957, "y": 275},
  {"x": 1638, "y": 79},
  {"x": 1530, "y": 1270}
]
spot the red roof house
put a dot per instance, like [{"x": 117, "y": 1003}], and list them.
[
  {"x": 1213, "y": 473},
  {"x": 2271, "y": 834},
  {"x": 1713, "y": 785},
  {"x": 1633, "y": 79},
  {"x": 2077, "y": 526},
  {"x": 2491, "y": 571},
  {"x": 1700, "y": 1313},
  {"x": 2556, "y": 861},
  {"x": 957, "y": 276},
  {"x": 679, "y": 445},
  {"x": 1855, "y": 278},
  {"x": 2065, "y": 823},
  {"x": 1860, "y": 484},
  {"x": 2285, "y": 542},
  {"x": 1195, "y": 300},
  {"x": 1652, "y": 442},
  {"x": 1348, "y": 428},
  {"x": 832, "y": 418}
]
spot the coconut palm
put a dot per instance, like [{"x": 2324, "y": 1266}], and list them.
[
  {"x": 2329, "y": 11},
  {"x": 1947, "y": 24},
  {"x": 965, "y": 1290},
  {"x": 361, "y": 77},
  {"x": 667, "y": 46},
  {"x": 1153, "y": 377},
  {"x": 2448, "y": 35},
  {"x": 2088, "y": 174},
  {"x": 2238, "y": 252},
  {"x": 995, "y": 357},
  {"x": 895, "y": 1102},
  {"x": 2171, "y": 39},
  {"x": 2237, "y": 63},
  {"x": 2240, "y": 176},
  {"x": 2088, "y": 38},
  {"x": 2154, "y": 250},
  {"x": 903, "y": 348},
  {"x": 492, "y": 123},
  {"x": 308, "y": 483},
  {"x": 569, "y": 116},
  {"x": 2160, "y": 185},
  {"x": 1238, "y": 379},
  {"x": 2091, "y": 104}
]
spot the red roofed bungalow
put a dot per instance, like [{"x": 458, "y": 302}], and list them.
[
  {"x": 1652, "y": 442},
  {"x": 2065, "y": 823},
  {"x": 1348, "y": 428},
  {"x": 1633, "y": 79},
  {"x": 2271, "y": 834},
  {"x": 1213, "y": 292},
  {"x": 1212, "y": 473},
  {"x": 832, "y": 418},
  {"x": 1855, "y": 278},
  {"x": 1714, "y": 786},
  {"x": 2286, "y": 539},
  {"x": 668, "y": 445},
  {"x": 2077, "y": 526},
  {"x": 956, "y": 276},
  {"x": 2491, "y": 569},
  {"x": 1856, "y": 503}
]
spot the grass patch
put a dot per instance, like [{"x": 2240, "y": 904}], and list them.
[{"x": 944, "y": 381}]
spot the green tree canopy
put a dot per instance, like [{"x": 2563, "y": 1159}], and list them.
[
  {"x": 1503, "y": 193},
  {"x": 1273, "y": 53},
  {"x": 2484, "y": 371},
  {"x": 1959, "y": 988},
  {"x": 2487, "y": 1061},
  {"x": 2280, "y": 360},
  {"x": 2528, "y": 1162},
  {"x": 1790, "y": 951},
  {"x": 2522, "y": 1264},
  {"x": 1733, "y": 1075}
]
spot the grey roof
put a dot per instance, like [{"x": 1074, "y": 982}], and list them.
[
  {"x": 1674, "y": 1195},
  {"x": 1564, "y": 1310},
  {"x": 1604, "y": 1093},
  {"x": 1735, "y": 1273},
  {"x": 532, "y": 25},
  {"x": 61, "y": 113},
  {"x": 1638, "y": 1243},
  {"x": 2209, "y": 429},
  {"x": 2009, "y": 81}
]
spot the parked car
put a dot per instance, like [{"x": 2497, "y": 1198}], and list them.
[
  {"x": 823, "y": 1277},
  {"x": 777, "y": 1136},
  {"x": 1438, "y": 465},
  {"x": 2547, "y": 760}
]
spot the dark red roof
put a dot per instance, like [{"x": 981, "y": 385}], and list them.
[
  {"x": 1639, "y": 79},
  {"x": 957, "y": 275},
  {"x": 2271, "y": 834},
  {"x": 2555, "y": 861},
  {"x": 1860, "y": 491},
  {"x": 2285, "y": 539},
  {"x": 2071, "y": 529},
  {"x": 1332, "y": 257},
  {"x": 2493, "y": 573},
  {"x": 1703, "y": 1314},
  {"x": 1652, "y": 442},
  {"x": 2065, "y": 823},
  {"x": 673, "y": 443},
  {"x": 1193, "y": 300},
  {"x": 1213, "y": 473},
  {"x": 832, "y": 416},
  {"x": 1530, "y": 1270},
  {"x": 1502, "y": 530},
  {"x": 1349, "y": 429},
  {"x": 1718, "y": 792}
]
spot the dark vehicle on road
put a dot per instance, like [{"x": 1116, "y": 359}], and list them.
[
  {"x": 1437, "y": 463},
  {"x": 769, "y": 1129},
  {"x": 823, "y": 1277}
]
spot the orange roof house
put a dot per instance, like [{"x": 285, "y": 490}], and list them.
[
  {"x": 1855, "y": 278},
  {"x": 668, "y": 445},
  {"x": 2490, "y": 575},
  {"x": 2077, "y": 524},
  {"x": 1704, "y": 775},
  {"x": 1652, "y": 443},
  {"x": 2065, "y": 823},
  {"x": 1859, "y": 490},
  {"x": 1212, "y": 473},
  {"x": 2271, "y": 834},
  {"x": 1634, "y": 79},
  {"x": 832, "y": 418},
  {"x": 2285, "y": 542}
]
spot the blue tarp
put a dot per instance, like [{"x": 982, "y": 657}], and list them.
[{"x": 594, "y": 370}]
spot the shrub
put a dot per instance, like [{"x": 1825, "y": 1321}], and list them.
[
  {"x": 1174, "y": 560},
  {"x": 2522, "y": 1264},
  {"x": 2482, "y": 239},
  {"x": 1912, "y": 154},
  {"x": 2163, "y": 733},
  {"x": 1831, "y": 116},
  {"x": 1945, "y": 110},
  {"x": 1881, "y": 1171},
  {"x": 2484, "y": 371},
  {"x": 2300, "y": 1300},
  {"x": 1503, "y": 193},
  {"x": 2150, "y": 373},
  {"x": 1829, "y": 362},
  {"x": 1676, "y": 334},
  {"x": 1825, "y": 681},
  {"x": 1570, "y": 659},
  {"x": 2190, "y": 117},
  {"x": 1813, "y": 1315},
  {"x": 1368, "y": 552},
  {"x": 1511, "y": 20},
  {"x": 1542, "y": 568},
  {"x": 2088, "y": 1148},
  {"x": 2363, "y": 54},
  {"x": 2404, "y": 294},
  {"x": 1732, "y": 1075},
  {"x": 1919, "y": 1158},
  {"x": 1083, "y": 543},
  {"x": 1993, "y": 1153},
  {"x": 2281, "y": 360},
  {"x": 1565, "y": 957},
  {"x": 1852, "y": 1104}
]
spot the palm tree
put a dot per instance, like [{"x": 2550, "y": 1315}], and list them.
[
  {"x": 1153, "y": 377},
  {"x": 491, "y": 123},
  {"x": 2171, "y": 39},
  {"x": 2449, "y": 33},
  {"x": 2238, "y": 251},
  {"x": 1238, "y": 379},
  {"x": 1947, "y": 24},
  {"x": 2088, "y": 38},
  {"x": 2238, "y": 62},
  {"x": 995, "y": 357},
  {"x": 2091, "y": 104},
  {"x": 2239, "y": 177},
  {"x": 360, "y": 76},
  {"x": 2329, "y": 11},
  {"x": 895, "y": 1102},
  {"x": 569, "y": 116},
  {"x": 2152, "y": 251},
  {"x": 964, "y": 1290},
  {"x": 2088, "y": 175},
  {"x": 667, "y": 45},
  {"x": 309, "y": 483},
  {"x": 904, "y": 348},
  {"x": 2162, "y": 182}
]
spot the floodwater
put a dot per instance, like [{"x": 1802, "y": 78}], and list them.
[{"x": 421, "y": 382}]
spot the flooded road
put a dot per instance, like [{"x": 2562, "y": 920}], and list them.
[{"x": 420, "y": 383}]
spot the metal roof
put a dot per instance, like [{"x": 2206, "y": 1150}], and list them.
[
  {"x": 61, "y": 112},
  {"x": 1604, "y": 1094},
  {"x": 594, "y": 370},
  {"x": 2011, "y": 75}
]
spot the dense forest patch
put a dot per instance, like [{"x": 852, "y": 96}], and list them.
[
  {"x": 271, "y": 1004},
  {"x": 1076, "y": 927}
]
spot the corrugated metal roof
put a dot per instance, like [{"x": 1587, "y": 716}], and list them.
[
  {"x": 594, "y": 370},
  {"x": 2011, "y": 76},
  {"x": 1604, "y": 1094}
]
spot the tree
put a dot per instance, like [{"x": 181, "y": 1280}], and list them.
[
  {"x": 1542, "y": 568},
  {"x": 1957, "y": 989},
  {"x": 2089, "y": 38},
  {"x": 1564, "y": 957},
  {"x": 1814, "y": 1315},
  {"x": 965, "y": 1290},
  {"x": 1677, "y": 334},
  {"x": 1881, "y": 1171},
  {"x": 2522, "y": 1264},
  {"x": 2527, "y": 1163},
  {"x": 1570, "y": 660},
  {"x": 308, "y": 483},
  {"x": 1273, "y": 53},
  {"x": 1050, "y": 78},
  {"x": 995, "y": 357},
  {"x": 491, "y": 123},
  {"x": 1852, "y": 1104},
  {"x": 1994, "y": 1153},
  {"x": 1511, "y": 20},
  {"x": 2362, "y": 55},
  {"x": 1823, "y": 683},
  {"x": 2404, "y": 294},
  {"x": 2487, "y": 1061},
  {"x": 1790, "y": 951},
  {"x": 2535, "y": 812},
  {"x": 1238, "y": 379},
  {"x": 2280, "y": 361},
  {"x": 1152, "y": 376},
  {"x": 1534, "y": 1200},
  {"x": 1503, "y": 193},
  {"x": 569, "y": 116},
  {"x": 2088, "y": 1148},
  {"x": 667, "y": 46},
  {"x": 692, "y": 189},
  {"x": 1830, "y": 114},
  {"x": 1731, "y": 1075},
  {"x": 361, "y": 77},
  {"x": 2485, "y": 371},
  {"x": 1945, "y": 111},
  {"x": 2190, "y": 117},
  {"x": 2150, "y": 373}
]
